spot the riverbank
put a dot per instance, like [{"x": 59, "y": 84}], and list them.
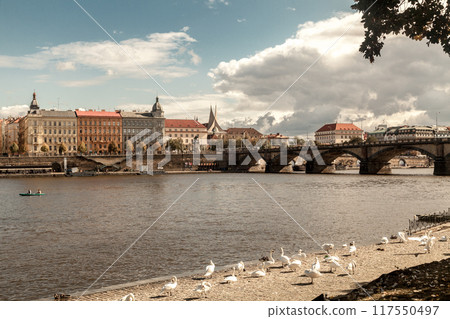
[{"x": 281, "y": 284}]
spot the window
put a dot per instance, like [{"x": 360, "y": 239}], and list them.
[
  {"x": 54, "y": 131},
  {"x": 45, "y": 140},
  {"x": 35, "y": 131},
  {"x": 45, "y": 131},
  {"x": 60, "y": 140},
  {"x": 59, "y": 123},
  {"x": 50, "y": 147},
  {"x": 35, "y": 139}
]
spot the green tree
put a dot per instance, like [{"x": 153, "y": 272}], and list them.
[
  {"x": 82, "y": 148},
  {"x": 44, "y": 148},
  {"x": 176, "y": 144},
  {"x": 355, "y": 140},
  {"x": 112, "y": 147},
  {"x": 62, "y": 148},
  {"x": 14, "y": 148},
  {"x": 300, "y": 141},
  {"x": 371, "y": 139},
  {"x": 416, "y": 19}
]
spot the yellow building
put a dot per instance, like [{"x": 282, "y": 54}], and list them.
[{"x": 51, "y": 127}]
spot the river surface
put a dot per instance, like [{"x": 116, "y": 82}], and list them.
[{"x": 63, "y": 241}]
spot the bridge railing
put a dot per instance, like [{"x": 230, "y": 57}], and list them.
[{"x": 422, "y": 222}]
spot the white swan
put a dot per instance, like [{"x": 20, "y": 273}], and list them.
[
  {"x": 351, "y": 267},
  {"x": 232, "y": 278},
  {"x": 384, "y": 240},
  {"x": 170, "y": 287},
  {"x": 316, "y": 265},
  {"x": 329, "y": 258},
  {"x": 333, "y": 265},
  {"x": 129, "y": 297},
  {"x": 402, "y": 237},
  {"x": 429, "y": 244},
  {"x": 344, "y": 246},
  {"x": 299, "y": 255},
  {"x": 210, "y": 269},
  {"x": 327, "y": 247},
  {"x": 443, "y": 238},
  {"x": 240, "y": 267},
  {"x": 352, "y": 248},
  {"x": 285, "y": 260},
  {"x": 312, "y": 273},
  {"x": 294, "y": 265},
  {"x": 261, "y": 272},
  {"x": 271, "y": 260},
  {"x": 203, "y": 288}
]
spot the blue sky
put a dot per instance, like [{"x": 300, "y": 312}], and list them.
[{"x": 201, "y": 52}]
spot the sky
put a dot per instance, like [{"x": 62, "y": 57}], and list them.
[{"x": 285, "y": 66}]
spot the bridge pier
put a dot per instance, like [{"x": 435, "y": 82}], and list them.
[
  {"x": 372, "y": 168},
  {"x": 313, "y": 168},
  {"x": 441, "y": 166},
  {"x": 276, "y": 168}
]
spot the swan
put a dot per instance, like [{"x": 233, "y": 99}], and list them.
[
  {"x": 429, "y": 244},
  {"x": 285, "y": 260},
  {"x": 344, "y": 246},
  {"x": 299, "y": 255},
  {"x": 351, "y": 267},
  {"x": 232, "y": 278},
  {"x": 352, "y": 248},
  {"x": 210, "y": 269},
  {"x": 327, "y": 247},
  {"x": 294, "y": 265},
  {"x": 384, "y": 240},
  {"x": 316, "y": 265},
  {"x": 129, "y": 297},
  {"x": 333, "y": 265},
  {"x": 271, "y": 261},
  {"x": 240, "y": 267},
  {"x": 329, "y": 259},
  {"x": 203, "y": 288},
  {"x": 261, "y": 272},
  {"x": 443, "y": 238},
  {"x": 312, "y": 273},
  {"x": 402, "y": 237},
  {"x": 170, "y": 287}
]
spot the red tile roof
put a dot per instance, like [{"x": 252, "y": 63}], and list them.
[
  {"x": 242, "y": 130},
  {"x": 97, "y": 114},
  {"x": 339, "y": 127},
  {"x": 183, "y": 124}
]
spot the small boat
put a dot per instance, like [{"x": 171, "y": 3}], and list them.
[{"x": 32, "y": 194}]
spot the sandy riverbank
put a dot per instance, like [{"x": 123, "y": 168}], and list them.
[{"x": 282, "y": 284}]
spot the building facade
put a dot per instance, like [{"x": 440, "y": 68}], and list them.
[
  {"x": 11, "y": 129},
  {"x": 48, "y": 127},
  {"x": 135, "y": 122},
  {"x": 407, "y": 132},
  {"x": 243, "y": 133},
  {"x": 187, "y": 130},
  {"x": 336, "y": 133},
  {"x": 98, "y": 129}
]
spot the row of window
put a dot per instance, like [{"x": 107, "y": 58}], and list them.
[
  {"x": 55, "y": 148},
  {"x": 57, "y": 140},
  {"x": 55, "y": 131},
  {"x": 91, "y": 139},
  {"x": 185, "y": 129},
  {"x": 56, "y": 123},
  {"x": 99, "y": 146},
  {"x": 99, "y": 131},
  {"x": 181, "y": 135},
  {"x": 100, "y": 123}
]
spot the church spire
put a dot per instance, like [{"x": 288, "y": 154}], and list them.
[{"x": 34, "y": 104}]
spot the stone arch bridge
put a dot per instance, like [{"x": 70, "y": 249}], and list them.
[{"x": 373, "y": 157}]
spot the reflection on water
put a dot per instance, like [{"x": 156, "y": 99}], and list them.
[{"x": 63, "y": 241}]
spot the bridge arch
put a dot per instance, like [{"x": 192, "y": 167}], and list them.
[
  {"x": 330, "y": 155},
  {"x": 388, "y": 153}
]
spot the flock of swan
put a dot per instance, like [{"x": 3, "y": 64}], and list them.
[{"x": 294, "y": 264}]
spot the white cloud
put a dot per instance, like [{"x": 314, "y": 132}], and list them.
[
  {"x": 13, "y": 110},
  {"x": 213, "y": 3},
  {"x": 65, "y": 66},
  {"x": 290, "y": 9},
  {"x": 241, "y": 20},
  {"x": 184, "y": 29},
  {"x": 195, "y": 59},
  {"x": 409, "y": 82},
  {"x": 161, "y": 54}
]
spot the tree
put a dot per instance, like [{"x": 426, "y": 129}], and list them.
[
  {"x": 416, "y": 19},
  {"x": 176, "y": 144},
  {"x": 62, "y": 148},
  {"x": 371, "y": 139},
  {"x": 299, "y": 141},
  {"x": 44, "y": 148},
  {"x": 112, "y": 147},
  {"x": 82, "y": 148},
  {"x": 130, "y": 146},
  {"x": 14, "y": 148},
  {"x": 142, "y": 147},
  {"x": 355, "y": 140}
]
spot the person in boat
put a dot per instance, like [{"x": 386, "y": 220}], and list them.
[
  {"x": 39, "y": 191},
  {"x": 29, "y": 191}
]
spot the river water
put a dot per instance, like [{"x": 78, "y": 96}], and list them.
[{"x": 63, "y": 241}]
